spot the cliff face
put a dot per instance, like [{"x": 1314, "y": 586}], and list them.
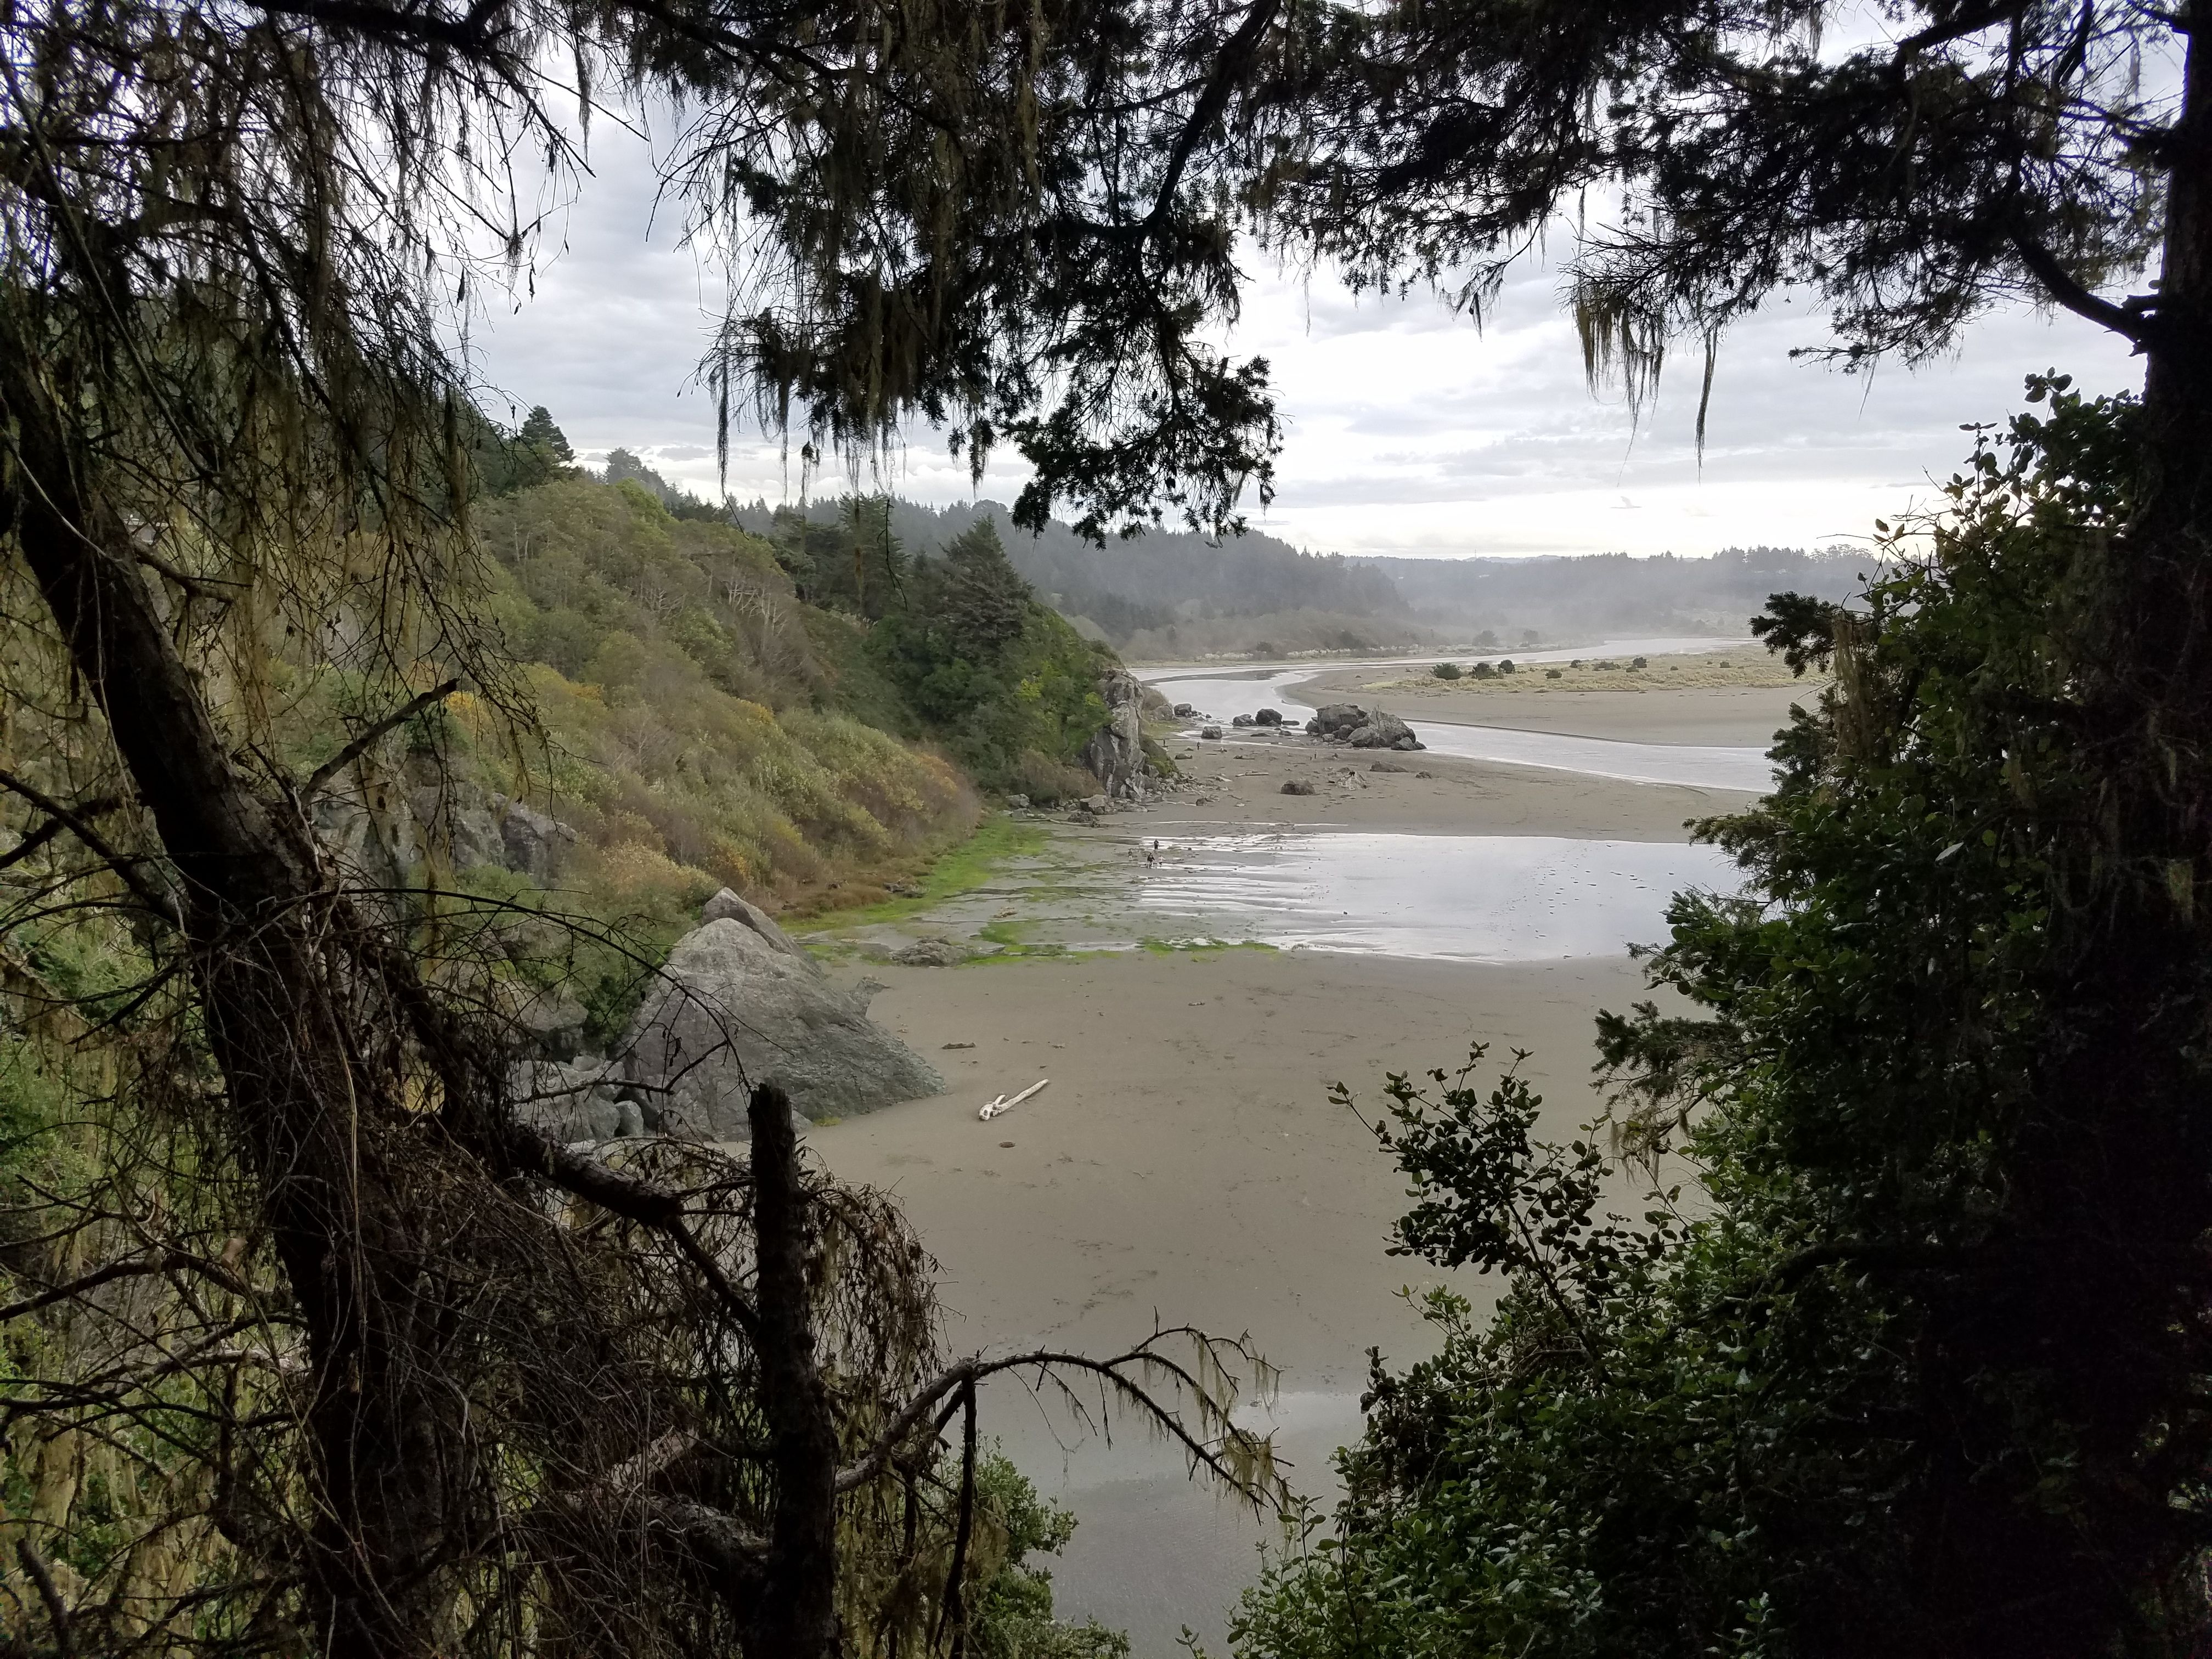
[{"x": 1115, "y": 753}]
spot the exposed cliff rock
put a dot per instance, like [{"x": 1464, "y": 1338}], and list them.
[{"x": 1115, "y": 753}]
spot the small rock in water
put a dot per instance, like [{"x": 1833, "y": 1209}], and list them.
[
  {"x": 1269, "y": 717},
  {"x": 931, "y": 953},
  {"x": 1184, "y": 711},
  {"x": 1242, "y": 720},
  {"x": 1298, "y": 786},
  {"x": 1211, "y": 734}
]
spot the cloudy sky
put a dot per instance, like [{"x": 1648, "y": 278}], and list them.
[{"x": 1407, "y": 430}]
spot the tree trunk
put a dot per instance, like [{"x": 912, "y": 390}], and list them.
[
  {"x": 798, "y": 1614},
  {"x": 251, "y": 905}
]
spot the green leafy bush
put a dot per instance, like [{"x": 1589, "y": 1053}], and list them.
[{"x": 1853, "y": 1387}]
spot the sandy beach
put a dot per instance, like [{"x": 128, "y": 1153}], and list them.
[{"x": 1186, "y": 1165}]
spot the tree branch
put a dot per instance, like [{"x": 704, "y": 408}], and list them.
[
  {"x": 53, "y": 827},
  {"x": 1236, "y": 54},
  {"x": 972, "y": 1372},
  {"x": 361, "y": 745},
  {"x": 57, "y": 1609},
  {"x": 467, "y": 35},
  {"x": 531, "y": 1151},
  {"x": 139, "y": 1268},
  {"x": 1973, "y": 21},
  {"x": 2065, "y": 291},
  {"x": 124, "y": 868}
]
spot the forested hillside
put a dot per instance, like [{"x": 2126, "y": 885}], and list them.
[{"x": 1163, "y": 593}]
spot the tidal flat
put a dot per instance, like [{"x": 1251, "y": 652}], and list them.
[{"x": 1186, "y": 1163}]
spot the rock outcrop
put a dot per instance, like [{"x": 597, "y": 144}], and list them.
[
  {"x": 1362, "y": 728},
  {"x": 739, "y": 1004},
  {"x": 384, "y": 831},
  {"x": 932, "y": 954},
  {"x": 1115, "y": 753}
]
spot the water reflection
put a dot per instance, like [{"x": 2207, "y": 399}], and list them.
[{"x": 1467, "y": 898}]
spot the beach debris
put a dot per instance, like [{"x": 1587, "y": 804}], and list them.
[
  {"x": 959, "y": 1045},
  {"x": 1425, "y": 774},
  {"x": 999, "y": 1105},
  {"x": 1386, "y": 766}
]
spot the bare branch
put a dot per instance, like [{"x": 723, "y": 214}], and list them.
[
  {"x": 125, "y": 868},
  {"x": 361, "y": 744},
  {"x": 1114, "y": 1369}
]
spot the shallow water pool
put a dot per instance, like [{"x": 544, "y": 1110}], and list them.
[{"x": 1466, "y": 898}]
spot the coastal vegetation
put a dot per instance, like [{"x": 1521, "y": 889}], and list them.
[{"x": 317, "y": 1342}]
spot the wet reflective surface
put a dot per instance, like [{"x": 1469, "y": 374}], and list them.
[{"x": 1467, "y": 898}]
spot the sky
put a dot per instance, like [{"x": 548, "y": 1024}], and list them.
[{"x": 1407, "y": 430}]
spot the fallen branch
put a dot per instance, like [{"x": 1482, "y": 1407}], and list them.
[{"x": 1001, "y": 1105}]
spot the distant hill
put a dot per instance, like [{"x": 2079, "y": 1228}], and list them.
[{"x": 1166, "y": 593}]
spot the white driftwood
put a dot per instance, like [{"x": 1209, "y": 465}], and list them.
[{"x": 1000, "y": 1104}]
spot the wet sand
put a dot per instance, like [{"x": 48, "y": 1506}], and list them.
[
  {"x": 1186, "y": 1161},
  {"x": 1240, "y": 781},
  {"x": 1187, "y": 1166}
]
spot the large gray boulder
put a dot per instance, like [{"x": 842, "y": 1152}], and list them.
[
  {"x": 733, "y": 1010},
  {"x": 1361, "y": 728},
  {"x": 727, "y": 906}
]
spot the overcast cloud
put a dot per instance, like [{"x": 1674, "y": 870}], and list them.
[{"x": 1407, "y": 431}]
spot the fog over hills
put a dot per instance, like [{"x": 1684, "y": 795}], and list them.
[{"x": 1168, "y": 595}]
